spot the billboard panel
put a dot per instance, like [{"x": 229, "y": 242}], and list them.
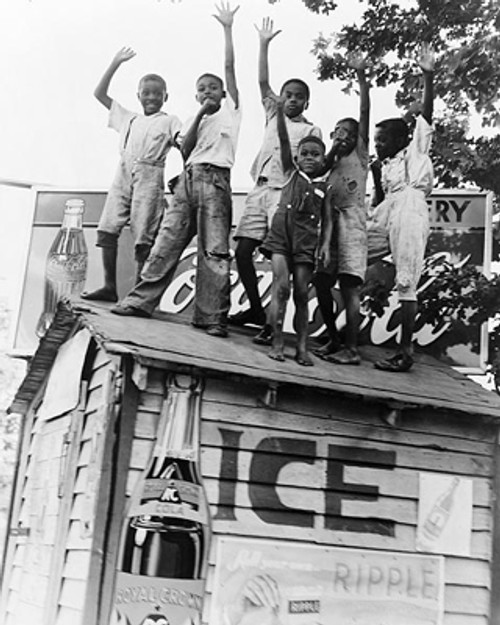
[{"x": 461, "y": 233}]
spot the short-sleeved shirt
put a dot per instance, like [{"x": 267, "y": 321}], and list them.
[
  {"x": 295, "y": 227},
  {"x": 267, "y": 163},
  {"x": 411, "y": 166},
  {"x": 217, "y": 136},
  {"x": 147, "y": 137}
]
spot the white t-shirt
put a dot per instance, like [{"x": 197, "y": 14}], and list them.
[
  {"x": 217, "y": 136},
  {"x": 148, "y": 137}
]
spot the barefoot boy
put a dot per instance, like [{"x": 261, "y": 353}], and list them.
[{"x": 292, "y": 242}]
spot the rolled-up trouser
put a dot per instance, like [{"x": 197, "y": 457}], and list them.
[
  {"x": 201, "y": 205},
  {"x": 137, "y": 195}
]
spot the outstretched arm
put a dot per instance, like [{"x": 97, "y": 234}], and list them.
[
  {"x": 101, "y": 91},
  {"x": 266, "y": 35},
  {"x": 359, "y": 63},
  {"x": 285, "y": 147},
  {"x": 426, "y": 62},
  {"x": 226, "y": 17}
]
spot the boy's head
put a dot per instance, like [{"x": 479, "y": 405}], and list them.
[
  {"x": 152, "y": 93},
  {"x": 345, "y": 135},
  {"x": 311, "y": 155},
  {"x": 295, "y": 93},
  {"x": 391, "y": 136},
  {"x": 209, "y": 87}
]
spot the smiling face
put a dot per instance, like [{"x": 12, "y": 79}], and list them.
[
  {"x": 345, "y": 136},
  {"x": 209, "y": 88},
  {"x": 311, "y": 157},
  {"x": 296, "y": 98},
  {"x": 152, "y": 95}
]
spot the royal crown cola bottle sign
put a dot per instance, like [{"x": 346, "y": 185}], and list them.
[
  {"x": 166, "y": 538},
  {"x": 66, "y": 266}
]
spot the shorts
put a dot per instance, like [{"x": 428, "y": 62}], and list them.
[
  {"x": 260, "y": 205},
  {"x": 297, "y": 242}
]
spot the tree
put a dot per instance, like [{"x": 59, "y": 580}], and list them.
[{"x": 466, "y": 38}]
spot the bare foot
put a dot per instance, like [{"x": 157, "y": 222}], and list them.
[
  {"x": 104, "y": 294},
  {"x": 276, "y": 353},
  {"x": 303, "y": 358},
  {"x": 330, "y": 348}
]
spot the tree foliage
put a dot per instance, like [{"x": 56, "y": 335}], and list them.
[{"x": 466, "y": 38}]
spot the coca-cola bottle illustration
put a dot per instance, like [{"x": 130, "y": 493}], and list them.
[
  {"x": 166, "y": 537},
  {"x": 66, "y": 266},
  {"x": 438, "y": 516}
]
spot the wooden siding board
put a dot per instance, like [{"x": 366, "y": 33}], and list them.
[
  {"x": 371, "y": 428},
  {"x": 295, "y": 400},
  {"x": 125, "y": 436},
  {"x": 90, "y": 592}
]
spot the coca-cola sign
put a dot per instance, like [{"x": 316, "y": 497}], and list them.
[{"x": 461, "y": 233}]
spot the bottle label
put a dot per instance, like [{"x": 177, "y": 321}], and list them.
[
  {"x": 171, "y": 498},
  {"x": 171, "y": 491},
  {"x": 140, "y": 599}
]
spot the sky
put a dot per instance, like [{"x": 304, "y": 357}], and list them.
[{"x": 53, "y": 52}]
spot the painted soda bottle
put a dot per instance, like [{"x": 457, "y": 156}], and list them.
[
  {"x": 437, "y": 518},
  {"x": 166, "y": 539},
  {"x": 66, "y": 266}
]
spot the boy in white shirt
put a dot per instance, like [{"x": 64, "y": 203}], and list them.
[
  {"x": 137, "y": 194},
  {"x": 406, "y": 178},
  {"x": 202, "y": 203}
]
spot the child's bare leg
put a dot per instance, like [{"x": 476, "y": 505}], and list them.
[
  {"x": 280, "y": 292},
  {"x": 350, "y": 287},
  {"x": 323, "y": 283},
  {"x": 408, "y": 316},
  {"x": 107, "y": 293},
  {"x": 302, "y": 275}
]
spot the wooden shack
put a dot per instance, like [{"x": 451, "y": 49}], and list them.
[{"x": 369, "y": 496}]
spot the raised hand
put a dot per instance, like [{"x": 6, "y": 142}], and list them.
[
  {"x": 123, "y": 55},
  {"x": 266, "y": 32},
  {"x": 225, "y": 15},
  {"x": 426, "y": 58},
  {"x": 356, "y": 60}
]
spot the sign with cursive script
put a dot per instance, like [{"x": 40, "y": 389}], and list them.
[
  {"x": 284, "y": 583},
  {"x": 461, "y": 232}
]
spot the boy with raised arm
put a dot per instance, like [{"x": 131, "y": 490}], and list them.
[
  {"x": 267, "y": 173},
  {"x": 407, "y": 178},
  {"x": 202, "y": 203},
  {"x": 137, "y": 192},
  {"x": 293, "y": 242},
  {"x": 348, "y": 159}
]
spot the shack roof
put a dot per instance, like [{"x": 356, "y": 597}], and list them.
[{"x": 167, "y": 340}]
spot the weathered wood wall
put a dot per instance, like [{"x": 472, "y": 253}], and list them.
[
  {"x": 59, "y": 481},
  {"x": 306, "y": 471}
]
